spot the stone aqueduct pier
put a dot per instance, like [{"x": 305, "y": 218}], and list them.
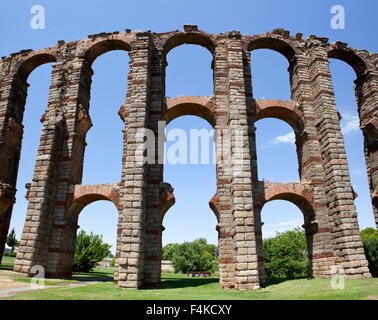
[{"x": 56, "y": 196}]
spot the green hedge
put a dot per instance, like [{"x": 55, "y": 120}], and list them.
[{"x": 370, "y": 240}]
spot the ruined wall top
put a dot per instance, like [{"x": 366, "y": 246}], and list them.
[{"x": 280, "y": 40}]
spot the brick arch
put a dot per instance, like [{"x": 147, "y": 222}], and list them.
[
  {"x": 27, "y": 64},
  {"x": 84, "y": 195},
  {"x": 284, "y": 110},
  {"x": 295, "y": 193},
  {"x": 14, "y": 90},
  {"x": 24, "y": 65},
  {"x": 272, "y": 42},
  {"x": 92, "y": 48},
  {"x": 101, "y": 46},
  {"x": 177, "y": 38},
  {"x": 189, "y": 105},
  {"x": 349, "y": 56}
]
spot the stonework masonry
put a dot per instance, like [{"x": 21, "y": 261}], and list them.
[{"x": 56, "y": 195}]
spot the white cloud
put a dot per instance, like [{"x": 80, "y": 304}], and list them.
[
  {"x": 349, "y": 124},
  {"x": 358, "y": 172},
  {"x": 287, "y": 138}
]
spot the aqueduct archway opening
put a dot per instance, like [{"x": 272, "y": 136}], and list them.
[
  {"x": 231, "y": 110},
  {"x": 194, "y": 181}
]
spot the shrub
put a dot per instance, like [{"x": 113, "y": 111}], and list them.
[
  {"x": 370, "y": 240},
  {"x": 89, "y": 250},
  {"x": 286, "y": 255},
  {"x": 112, "y": 263},
  {"x": 169, "y": 250},
  {"x": 193, "y": 256}
]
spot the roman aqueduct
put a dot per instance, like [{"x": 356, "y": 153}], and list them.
[{"x": 56, "y": 195}]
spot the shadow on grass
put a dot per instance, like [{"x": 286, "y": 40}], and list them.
[
  {"x": 7, "y": 263},
  {"x": 273, "y": 281},
  {"x": 91, "y": 276},
  {"x": 174, "y": 283},
  {"x": 6, "y": 267}
]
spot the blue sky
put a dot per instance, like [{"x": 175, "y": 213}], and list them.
[{"x": 188, "y": 73}]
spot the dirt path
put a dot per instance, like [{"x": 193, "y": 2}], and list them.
[
  {"x": 7, "y": 281},
  {"x": 9, "y": 286},
  {"x": 11, "y": 292}
]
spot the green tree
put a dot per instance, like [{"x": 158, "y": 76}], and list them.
[
  {"x": 89, "y": 250},
  {"x": 169, "y": 250},
  {"x": 370, "y": 240},
  {"x": 210, "y": 248},
  {"x": 369, "y": 233},
  {"x": 285, "y": 255},
  {"x": 193, "y": 256},
  {"x": 11, "y": 240}
]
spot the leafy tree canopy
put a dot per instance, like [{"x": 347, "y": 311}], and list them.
[
  {"x": 89, "y": 250},
  {"x": 197, "y": 255},
  {"x": 370, "y": 240},
  {"x": 285, "y": 255}
]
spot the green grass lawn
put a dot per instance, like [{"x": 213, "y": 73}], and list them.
[
  {"x": 180, "y": 287},
  {"x": 7, "y": 263}
]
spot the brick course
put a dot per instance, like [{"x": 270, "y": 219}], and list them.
[{"x": 56, "y": 196}]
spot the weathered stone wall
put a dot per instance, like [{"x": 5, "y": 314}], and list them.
[{"x": 56, "y": 196}]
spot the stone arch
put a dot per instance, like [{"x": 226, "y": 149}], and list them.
[
  {"x": 189, "y": 105},
  {"x": 303, "y": 198},
  {"x": 176, "y": 39},
  {"x": 66, "y": 228},
  {"x": 288, "y": 112},
  {"x": 284, "y": 110},
  {"x": 101, "y": 46},
  {"x": 86, "y": 194},
  {"x": 295, "y": 193},
  {"x": 191, "y": 36},
  {"x": 13, "y": 92},
  {"x": 364, "y": 87},
  {"x": 350, "y": 57},
  {"x": 21, "y": 70},
  {"x": 269, "y": 41},
  {"x": 95, "y": 47},
  {"x": 25, "y": 66}
]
